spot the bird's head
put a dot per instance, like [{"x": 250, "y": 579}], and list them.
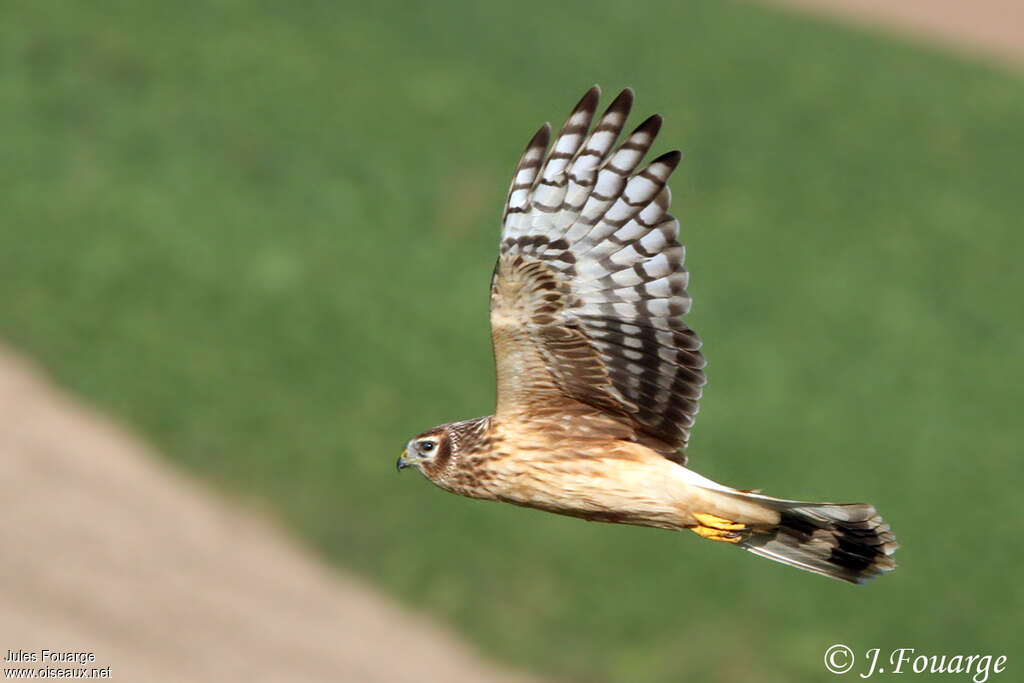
[{"x": 430, "y": 452}]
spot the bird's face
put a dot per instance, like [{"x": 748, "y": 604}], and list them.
[{"x": 429, "y": 452}]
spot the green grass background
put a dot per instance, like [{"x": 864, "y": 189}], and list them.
[{"x": 262, "y": 235}]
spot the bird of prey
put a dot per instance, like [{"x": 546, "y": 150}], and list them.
[{"x": 598, "y": 376}]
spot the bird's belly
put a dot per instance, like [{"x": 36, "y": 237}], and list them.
[{"x": 607, "y": 489}]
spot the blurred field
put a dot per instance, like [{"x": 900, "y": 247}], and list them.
[{"x": 263, "y": 237}]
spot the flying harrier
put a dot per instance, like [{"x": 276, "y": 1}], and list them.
[{"x": 599, "y": 377}]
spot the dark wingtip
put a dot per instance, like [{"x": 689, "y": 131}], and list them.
[
  {"x": 623, "y": 102},
  {"x": 670, "y": 159},
  {"x": 541, "y": 137},
  {"x": 651, "y": 125},
  {"x": 589, "y": 99}
]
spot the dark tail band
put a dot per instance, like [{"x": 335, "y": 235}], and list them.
[{"x": 847, "y": 542}]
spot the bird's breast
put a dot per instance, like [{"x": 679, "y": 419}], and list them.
[{"x": 606, "y": 482}]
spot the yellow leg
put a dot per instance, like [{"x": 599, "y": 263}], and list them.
[{"x": 717, "y": 528}]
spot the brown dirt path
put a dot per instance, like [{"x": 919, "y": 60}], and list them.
[
  {"x": 107, "y": 549},
  {"x": 994, "y": 28}
]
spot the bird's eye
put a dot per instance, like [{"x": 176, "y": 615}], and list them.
[{"x": 427, "y": 446}]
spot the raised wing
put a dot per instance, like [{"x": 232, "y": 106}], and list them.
[{"x": 589, "y": 284}]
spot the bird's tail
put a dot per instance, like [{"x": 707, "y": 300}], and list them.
[{"x": 850, "y": 542}]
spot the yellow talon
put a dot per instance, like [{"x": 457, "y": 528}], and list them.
[
  {"x": 716, "y": 528},
  {"x": 718, "y": 522}
]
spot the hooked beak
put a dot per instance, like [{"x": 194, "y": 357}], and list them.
[{"x": 403, "y": 460}]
